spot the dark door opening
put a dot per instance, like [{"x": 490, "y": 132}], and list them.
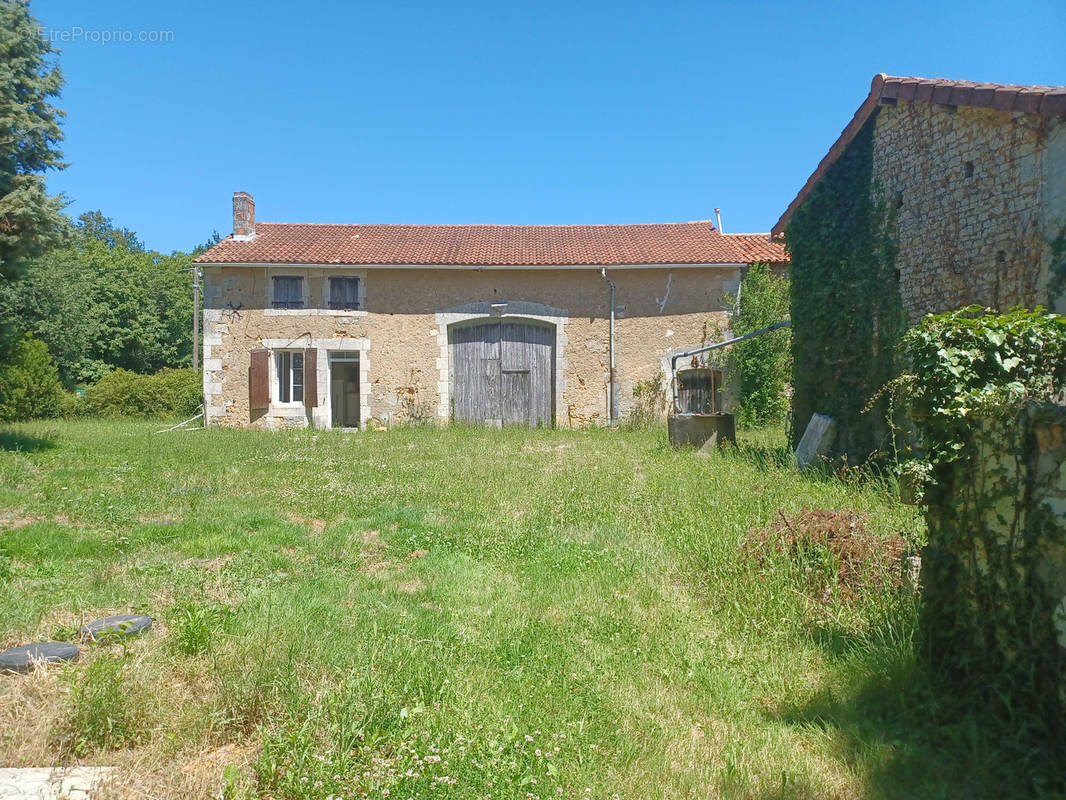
[{"x": 344, "y": 389}]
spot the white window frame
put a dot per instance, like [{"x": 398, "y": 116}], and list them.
[{"x": 280, "y": 368}]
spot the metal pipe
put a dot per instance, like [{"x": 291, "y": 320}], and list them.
[
  {"x": 718, "y": 216},
  {"x": 707, "y": 348},
  {"x": 195, "y": 317},
  {"x": 611, "y": 399}
]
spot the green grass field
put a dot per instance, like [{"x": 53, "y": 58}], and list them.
[{"x": 455, "y": 613}]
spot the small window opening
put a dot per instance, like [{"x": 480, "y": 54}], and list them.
[
  {"x": 290, "y": 369},
  {"x": 1001, "y": 257},
  {"x": 967, "y": 169},
  {"x": 288, "y": 291},
  {"x": 344, "y": 293},
  {"x": 899, "y": 200}
]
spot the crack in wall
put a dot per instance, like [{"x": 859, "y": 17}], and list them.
[{"x": 662, "y": 302}]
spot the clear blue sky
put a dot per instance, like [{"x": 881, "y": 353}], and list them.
[{"x": 548, "y": 112}]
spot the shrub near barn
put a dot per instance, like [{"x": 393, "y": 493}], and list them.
[{"x": 763, "y": 365}]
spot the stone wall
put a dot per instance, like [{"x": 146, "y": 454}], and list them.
[
  {"x": 994, "y": 571},
  {"x": 401, "y": 332},
  {"x": 978, "y": 196}
]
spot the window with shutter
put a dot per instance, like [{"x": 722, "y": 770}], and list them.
[
  {"x": 289, "y": 366},
  {"x": 310, "y": 388},
  {"x": 288, "y": 291},
  {"x": 259, "y": 379},
  {"x": 344, "y": 293}
]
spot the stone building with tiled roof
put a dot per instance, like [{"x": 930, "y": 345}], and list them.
[
  {"x": 349, "y": 325},
  {"x": 937, "y": 195},
  {"x": 975, "y": 175}
]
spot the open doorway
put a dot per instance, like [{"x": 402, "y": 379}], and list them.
[{"x": 344, "y": 389}]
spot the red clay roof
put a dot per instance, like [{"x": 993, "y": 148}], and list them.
[
  {"x": 758, "y": 248},
  {"x": 1049, "y": 100},
  {"x": 479, "y": 245}
]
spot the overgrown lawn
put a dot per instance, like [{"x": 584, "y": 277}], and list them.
[{"x": 455, "y": 613}]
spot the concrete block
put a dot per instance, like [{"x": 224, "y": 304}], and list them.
[
  {"x": 817, "y": 440},
  {"x": 705, "y": 432}
]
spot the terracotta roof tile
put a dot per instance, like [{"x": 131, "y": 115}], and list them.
[
  {"x": 478, "y": 245},
  {"x": 758, "y": 248},
  {"x": 1050, "y": 100}
]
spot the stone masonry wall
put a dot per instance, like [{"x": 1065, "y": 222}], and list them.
[
  {"x": 400, "y": 331},
  {"x": 975, "y": 201}
]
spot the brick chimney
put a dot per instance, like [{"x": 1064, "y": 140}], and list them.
[{"x": 243, "y": 216}]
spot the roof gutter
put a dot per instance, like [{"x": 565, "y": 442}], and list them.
[{"x": 290, "y": 265}]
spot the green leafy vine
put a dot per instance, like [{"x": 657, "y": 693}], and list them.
[{"x": 847, "y": 312}]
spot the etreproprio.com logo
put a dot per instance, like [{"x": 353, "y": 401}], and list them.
[{"x": 77, "y": 33}]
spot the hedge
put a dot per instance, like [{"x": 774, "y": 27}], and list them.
[{"x": 167, "y": 393}]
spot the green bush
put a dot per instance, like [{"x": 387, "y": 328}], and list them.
[
  {"x": 29, "y": 382},
  {"x": 973, "y": 362},
  {"x": 167, "y": 393},
  {"x": 762, "y": 365}
]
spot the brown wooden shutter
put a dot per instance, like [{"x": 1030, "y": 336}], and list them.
[
  {"x": 310, "y": 377},
  {"x": 259, "y": 379}
]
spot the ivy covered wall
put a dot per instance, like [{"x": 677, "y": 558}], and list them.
[
  {"x": 985, "y": 392},
  {"x": 847, "y": 313}
]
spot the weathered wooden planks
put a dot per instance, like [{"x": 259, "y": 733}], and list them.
[{"x": 503, "y": 372}]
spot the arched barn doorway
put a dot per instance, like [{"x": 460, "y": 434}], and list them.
[{"x": 503, "y": 372}]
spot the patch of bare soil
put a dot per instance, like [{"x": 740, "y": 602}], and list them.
[
  {"x": 10, "y": 519},
  {"x": 316, "y": 525},
  {"x": 150, "y": 773},
  {"x": 413, "y": 586},
  {"x": 207, "y": 767},
  {"x": 157, "y": 519},
  {"x": 420, "y": 553},
  {"x": 373, "y": 552},
  {"x": 858, "y": 558},
  {"x": 212, "y": 565}
]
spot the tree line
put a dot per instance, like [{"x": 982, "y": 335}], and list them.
[
  {"x": 100, "y": 300},
  {"x": 79, "y": 298}
]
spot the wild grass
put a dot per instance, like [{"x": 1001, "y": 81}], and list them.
[{"x": 459, "y": 613}]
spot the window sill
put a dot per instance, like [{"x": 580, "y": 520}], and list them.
[
  {"x": 311, "y": 312},
  {"x": 287, "y": 408}
]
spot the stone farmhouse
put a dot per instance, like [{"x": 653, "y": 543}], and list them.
[
  {"x": 975, "y": 176},
  {"x": 355, "y": 325}
]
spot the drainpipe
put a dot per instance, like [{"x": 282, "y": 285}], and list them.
[{"x": 611, "y": 399}]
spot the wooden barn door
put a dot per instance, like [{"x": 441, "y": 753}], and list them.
[{"x": 503, "y": 373}]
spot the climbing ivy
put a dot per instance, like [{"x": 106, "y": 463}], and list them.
[
  {"x": 982, "y": 390},
  {"x": 847, "y": 313},
  {"x": 1057, "y": 270},
  {"x": 975, "y": 363}
]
